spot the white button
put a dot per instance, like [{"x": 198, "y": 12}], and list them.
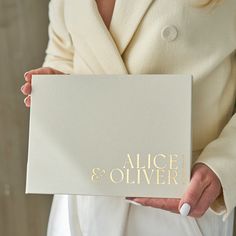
[{"x": 169, "y": 33}]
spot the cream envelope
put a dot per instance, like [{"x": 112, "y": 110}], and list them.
[{"x": 111, "y": 135}]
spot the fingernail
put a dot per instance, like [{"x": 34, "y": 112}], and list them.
[
  {"x": 22, "y": 87},
  {"x": 135, "y": 203},
  {"x": 185, "y": 209},
  {"x": 26, "y": 76},
  {"x": 27, "y": 98}
]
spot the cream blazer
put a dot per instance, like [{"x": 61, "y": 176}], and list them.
[{"x": 159, "y": 37}]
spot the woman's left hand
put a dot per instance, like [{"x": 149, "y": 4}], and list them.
[{"x": 202, "y": 191}]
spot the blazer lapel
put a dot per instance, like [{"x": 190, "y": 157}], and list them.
[
  {"x": 99, "y": 47},
  {"x": 126, "y": 17},
  {"x": 93, "y": 40}
]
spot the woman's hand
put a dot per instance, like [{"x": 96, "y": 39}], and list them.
[
  {"x": 26, "y": 88},
  {"x": 203, "y": 189}
]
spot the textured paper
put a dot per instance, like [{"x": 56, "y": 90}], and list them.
[{"x": 111, "y": 135}]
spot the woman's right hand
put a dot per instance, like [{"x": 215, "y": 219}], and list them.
[{"x": 26, "y": 87}]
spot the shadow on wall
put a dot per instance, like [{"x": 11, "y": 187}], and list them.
[{"x": 23, "y": 40}]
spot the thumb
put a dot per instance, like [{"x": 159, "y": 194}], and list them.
[{"x": 193, "y": 194}]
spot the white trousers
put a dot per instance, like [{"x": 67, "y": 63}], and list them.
[{"x": 74, "y": 216}]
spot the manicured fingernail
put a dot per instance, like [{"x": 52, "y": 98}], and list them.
[
  {"x": 26, "y": 75},
  {"x": 133, "y": 202},
  {"x": 22, "y": 87},
  {"x": 185, "y": 209}
]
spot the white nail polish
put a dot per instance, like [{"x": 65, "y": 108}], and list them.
[
  {"x": 185, "y": 209},
  {"x": 133, "y": 202}
]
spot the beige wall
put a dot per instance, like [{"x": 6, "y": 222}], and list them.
[{"x": 23, "y": 38}]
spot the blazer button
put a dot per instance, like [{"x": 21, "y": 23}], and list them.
[{"x": 169, "y": 33}]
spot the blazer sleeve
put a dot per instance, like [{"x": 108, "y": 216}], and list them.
[
  {"x": 59, "y": 52},
  {"x": 220, "y": 156}
]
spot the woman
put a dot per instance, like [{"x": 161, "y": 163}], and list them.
[{"x": 155, "y": 37}]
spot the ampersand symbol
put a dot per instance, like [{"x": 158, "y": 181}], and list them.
[{"x": 97, "y": 173}]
